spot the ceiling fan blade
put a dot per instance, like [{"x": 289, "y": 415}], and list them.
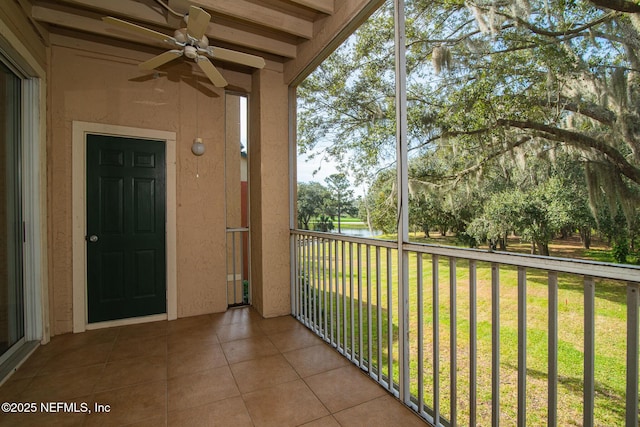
[
  {"x": 212, "y": 73},
  {"x": 237, "y": 57},
  {"x": 138, "y": 29},
  {"x": 157, "y": 61},
  {"x": 197, "y": 22}
]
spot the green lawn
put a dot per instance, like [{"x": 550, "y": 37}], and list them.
[{"x": 359, "y": 287}]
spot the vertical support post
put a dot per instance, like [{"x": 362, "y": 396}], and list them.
[
  {"x": 403, "y": 199},
  {"x": 552, "y": 375},
  {"x": 352, "y": 328},
  {"x": 435, "y": 262},
  {"x": 633, "y": 301},
  {"x": 589, "y": 351},
  {"x": 473, "y": 343},
  {"x": 495, "y": 344},
  {"x": 453, "y": 343},
  {"x": 379, "y": 311},
  {"x": 522, "y": 346},
  {"x": 293, "y": 190},
  {"x": 420, "y": 311},
  {"x": 360, "y": 338},
  {"x": 369, "y": 316}
]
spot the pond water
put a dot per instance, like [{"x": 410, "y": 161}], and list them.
[{"x": 358, "y": 232}]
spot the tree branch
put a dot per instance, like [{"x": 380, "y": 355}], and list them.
[
  {"x": 619, "y": 5},
  {"x": 579, "y": 140}
]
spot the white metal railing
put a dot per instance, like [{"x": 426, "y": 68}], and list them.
[
  {"x": 345, "y": 289},
  {"x": 238, "y": 283}
]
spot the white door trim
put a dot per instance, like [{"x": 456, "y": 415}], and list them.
[{"x": 79, "y": 210}]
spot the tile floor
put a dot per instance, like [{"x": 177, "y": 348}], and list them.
[{"x": 230, "y": 369}]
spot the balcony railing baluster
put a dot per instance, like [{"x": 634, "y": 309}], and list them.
[
  {"x": 495, "y": 344},
  {"x": 633, "y": 324},
  {"x": 435, "y": 261},
  {"x": 552, "y": 374},
  {"x": 522, "y": 346},
  {"x": 589, "y": 351},
  {"x": 453, "y": 348},
  {"x": 473, "y": 346}
]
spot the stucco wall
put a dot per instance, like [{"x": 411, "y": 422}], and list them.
[
  {"x": 102, "y": 84},
  {"x": 269, "y": 178}
]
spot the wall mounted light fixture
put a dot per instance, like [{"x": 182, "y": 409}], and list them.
[{"x": 197, "y": 148}]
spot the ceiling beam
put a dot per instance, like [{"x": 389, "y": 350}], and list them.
[
  {"x": 261, "y": 15},
  {"x": 133, "y": 9},
  {"x": 215, "y": 31},
  {"x": 324, "y": 6}
]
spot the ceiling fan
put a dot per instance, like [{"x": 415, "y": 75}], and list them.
[{"x": 192, "y": 43}]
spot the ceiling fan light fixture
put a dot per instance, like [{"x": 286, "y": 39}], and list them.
[{"x": 190, "y": 52}]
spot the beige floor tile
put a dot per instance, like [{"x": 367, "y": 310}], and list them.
[
  {"x": 71, "y": 341},
  {"x": 247, "y": 349},
  {"x": 130, "y": 404},
  {"x": 129, "y": 348},
  {"x": 314, "y": 360},
  {"x": 178, "y": 340},
  {"x": 294, "y": 339},
  {"x": 343, "y": 388},
  {"x": 74, "y": 358},
  {"x": 235, "y": 315},
  {"x": 63, "y": 385},
  {"x": 263, "y": 372},
  {"x": 195, "y": 358},
  {"x": 238, "y": 331},
  {"x": 189, "y": 324},
  {"x": 12, "y": 388},
  {"x": 328, "y": 421},
  {"x": 223, "y": 413},
  {"x": 198, "y": 389},
  {"x": 288, "y": 404},
  {"x": 150, "y": 422},
  {"x": 126, "y": 372},
  {"x": 143, "y": 330},
  {"x": 279, "y": 324},
  {"x": 384, "y": 411}
]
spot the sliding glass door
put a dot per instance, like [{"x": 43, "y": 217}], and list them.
[{"x": 11, "y": 225}]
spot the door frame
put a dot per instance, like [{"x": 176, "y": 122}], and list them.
[{"x": 79, "y": 212}]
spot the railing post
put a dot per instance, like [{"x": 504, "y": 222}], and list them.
[
  {"x": 552, "y": 375},
  {"x": 495, "y": 344},
  {"x": 522, "y": 346},
  {"x": 403, "y": 201},
  {"x": 473, "y": 344},
  {"x": 589, "y": 351},
  {"x": 633, "y": 323}
]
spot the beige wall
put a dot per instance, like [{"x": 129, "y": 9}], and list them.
[
  {"x": 269, "y": 198},
  {"x": 102, "y": 84}
]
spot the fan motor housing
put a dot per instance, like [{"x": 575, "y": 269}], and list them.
[{"x": 190, "y": 52}]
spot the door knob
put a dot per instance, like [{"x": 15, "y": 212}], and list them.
[{"x": 93, "y": 238}]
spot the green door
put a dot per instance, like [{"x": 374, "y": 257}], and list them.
[{"x": 126, "y": 197}]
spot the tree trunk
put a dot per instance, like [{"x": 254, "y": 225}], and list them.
[
  {"x": 585, "y": 236},
  {"x": 543, "y": 248},
  {"x": 533, "y": 247}
]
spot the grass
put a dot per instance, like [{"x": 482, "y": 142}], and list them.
[{"x": 352, "y": 286}]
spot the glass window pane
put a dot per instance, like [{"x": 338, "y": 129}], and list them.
[{"x": 11, "y": 289}]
